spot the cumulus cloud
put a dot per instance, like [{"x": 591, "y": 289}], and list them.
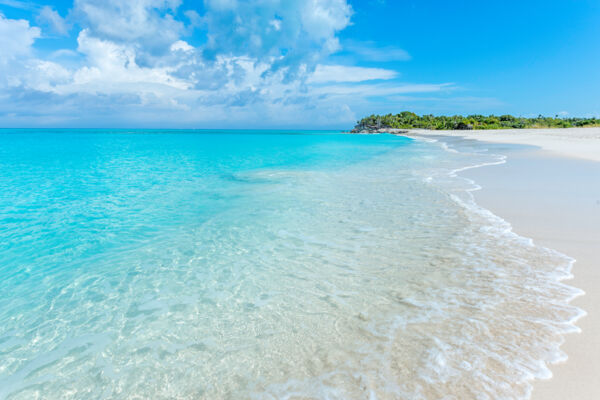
[
  {"x": 287, "y": 34},
  {"x": 111, "y": 67},
  {"x": 144, "y": 62},
  {"x": 16, "y": 37},
  {"x": 147, "y": 25}
]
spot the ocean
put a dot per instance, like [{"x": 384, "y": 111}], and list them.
[{"x": 159, "y": 264}]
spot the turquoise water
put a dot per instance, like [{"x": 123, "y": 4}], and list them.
[{"x": 263, "y": 264}]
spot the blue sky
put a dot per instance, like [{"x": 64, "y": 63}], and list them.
[{"x": 292, "y": 63}]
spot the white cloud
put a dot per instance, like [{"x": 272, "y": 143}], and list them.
[
  {"x": 342, "y": 73},
  {"x": 16, "y": 38},
  {"x": 64, "y": 53},
  {"x": 321, "y": 19},
  {"x": 148, "y": 25},
  {"x": 370, "y": 51},
  {"x": 112, "y": 68},
  {"x": 44, "y": 75},
  {"x": 51, "y": 18},
  {"x": 381, "y": 89},
  {"x": 24, "y": 5},
  {"x": 288, "y": 34},
  {"x": 181, "y": 45},
  {"x": 276, "y": 24}
]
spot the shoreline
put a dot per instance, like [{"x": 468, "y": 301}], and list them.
[
  {"x": 545, "y": 191},
  {"x": 581, "y": 143}
]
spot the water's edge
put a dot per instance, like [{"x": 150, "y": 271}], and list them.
[{"x": 449, "y": 144}]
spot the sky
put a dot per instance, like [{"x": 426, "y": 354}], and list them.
[{"x": 313, "y": 64}]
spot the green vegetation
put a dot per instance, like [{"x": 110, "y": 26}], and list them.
[{"x": 409, "y": 120}]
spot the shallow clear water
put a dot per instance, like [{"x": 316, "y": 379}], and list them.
[{"x": 196, "y": 264}]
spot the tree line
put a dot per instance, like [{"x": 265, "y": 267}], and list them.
[{"x": 410, "y": 120}]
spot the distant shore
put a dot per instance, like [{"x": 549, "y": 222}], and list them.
[
  {"x": 581, "y": 143},
  {"x": 410, "y": 120},
  {"x": 549, "y": 190}
]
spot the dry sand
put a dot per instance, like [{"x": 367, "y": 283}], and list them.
[{"x": 549, "y": 190}]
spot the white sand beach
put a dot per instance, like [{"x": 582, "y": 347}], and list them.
[
  {"x": 549, "y": 190},
  {"x": 581, "y": 143}
]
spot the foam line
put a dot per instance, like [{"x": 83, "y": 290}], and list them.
[{"x": 505, "y": 227}]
